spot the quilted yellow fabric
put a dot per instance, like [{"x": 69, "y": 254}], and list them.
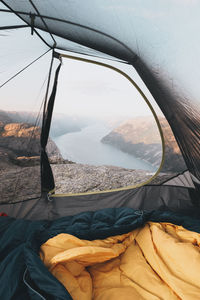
[{"x": 158, "y": 261}]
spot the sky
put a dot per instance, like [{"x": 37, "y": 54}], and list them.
[
  {"x": 83, "y": 89},
  {"x": 89, "y": 89}
]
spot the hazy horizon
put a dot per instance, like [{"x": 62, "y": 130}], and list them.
[{"x": 86, "y": 90}]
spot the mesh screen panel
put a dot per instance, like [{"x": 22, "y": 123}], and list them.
[{"x": 20, "y": 115}]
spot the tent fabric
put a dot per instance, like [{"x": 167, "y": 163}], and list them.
[
  {"x": 20, "y": 241},
  {"x": 143, "y": 198},
  {"x": 183, "y": 179},
  {"x": 147, "y": 263}
]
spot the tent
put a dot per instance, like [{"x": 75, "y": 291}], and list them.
[{"x": 159, "y": 41}]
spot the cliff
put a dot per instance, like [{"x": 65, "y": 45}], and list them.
[
  {"x": 140, "y": 137},
  {"x": 20, "y": 145},
  {"x": 20, "y": 157}
]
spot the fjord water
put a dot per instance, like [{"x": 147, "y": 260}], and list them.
[{"x": 85, "y": 147}]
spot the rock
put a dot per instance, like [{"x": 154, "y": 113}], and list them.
[
  {"x": 18, "y": 184},
  {"x": 6, "y": 158},
  {"x": 21, "y": 142},
  {"x": 80, "y": 178},
  {"x": 29, "y": 161},
  {"x": 53, "y": 152},
  {"x": 140, "y": 137}
]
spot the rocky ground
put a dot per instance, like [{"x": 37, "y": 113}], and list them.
[
  {"x": 16, "y": 183},
  {"x": 79, "y": 178}
]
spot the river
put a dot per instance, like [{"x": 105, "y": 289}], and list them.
[{"x": 85, "y": 147}]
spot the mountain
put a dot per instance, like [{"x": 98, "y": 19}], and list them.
[
  {"x": 20, "y": 145},
  {"x": 140, "y": 137},
  {"x": 19, "y": 117},
  {"x": 61, "y": 123}
]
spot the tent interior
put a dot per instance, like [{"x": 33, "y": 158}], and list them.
[{"x": 99, "y": 149}]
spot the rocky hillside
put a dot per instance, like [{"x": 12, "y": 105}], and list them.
[
  {"x": 20, "y": 160},
  {"x": 140, "y": 137},
  {"x": 20, "y": 145}
]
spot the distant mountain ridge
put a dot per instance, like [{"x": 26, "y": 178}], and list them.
[
  {"x": 61, "y": 124},
  {"x": 141, "y": 138}
]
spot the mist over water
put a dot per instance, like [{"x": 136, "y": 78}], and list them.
[{"x": 85, "y": 147}]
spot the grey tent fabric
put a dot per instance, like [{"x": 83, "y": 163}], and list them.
[
  {"x": 158, "y": 40},
  {"x": 181, "y": 180},
  {"x": 144, "y": 198}
]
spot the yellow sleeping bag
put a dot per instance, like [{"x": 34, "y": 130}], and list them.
[{"x": 158, "y": 261}]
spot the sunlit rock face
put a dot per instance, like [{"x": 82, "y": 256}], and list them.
[
  {"x": 20, "y": 145},
  {"x": 141, "y": 138}
]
